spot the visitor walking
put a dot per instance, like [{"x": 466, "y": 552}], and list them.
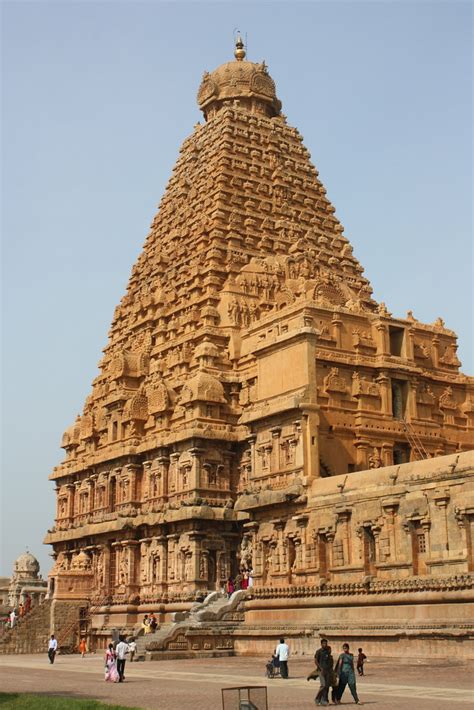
[
  {"x": 82, "y": 647},
  {"x": 325, "y": 665},
  {"x": 121, "y": 651},
  {"x": 345, "y": 670},
  {"x": 282, "y": 652},
  {"x": 21, "y": 611},
  {"x": 12, "y": 618},
  {"x": 361, "y": 658},
  {"x": 111, "y": 673},
  {"x": 133, "y": 649},
  {"x": 52, "y": 648}
]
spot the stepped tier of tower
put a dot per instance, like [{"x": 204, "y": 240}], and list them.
[{"x": 246, "y": 361}]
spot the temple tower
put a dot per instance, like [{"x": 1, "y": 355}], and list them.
[{"x": 246, "y": 360}]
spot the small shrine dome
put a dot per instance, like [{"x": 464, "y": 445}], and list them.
[
  {"x": 27, "y": 563},
  {"x": 203, "y": 387},
  {"x": 241, "y": 81}
]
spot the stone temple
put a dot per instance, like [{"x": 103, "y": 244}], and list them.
[{"x": 257, "y": 408}]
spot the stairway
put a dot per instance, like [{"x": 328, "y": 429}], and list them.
[
  {"x": 201, "y": 619},
  {"x": 30, "y": 633},
  {"x": 76, "y": 622}
]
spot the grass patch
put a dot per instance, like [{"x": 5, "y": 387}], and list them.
[{"x": 22, "y": 701}]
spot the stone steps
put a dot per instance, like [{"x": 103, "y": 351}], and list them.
[
  {"x": 31, "y": 633},
  {"x": 173, "y": 640}
]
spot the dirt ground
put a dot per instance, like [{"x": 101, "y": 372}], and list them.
[{"x": 197, "y": 684}]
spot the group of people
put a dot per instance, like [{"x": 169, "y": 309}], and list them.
[
  {"x": 23, "y": 609},
  {"x": 244, "y": 580},
  {"x": 336, "y": 676},
  {"x": 149, "y": 623},
  {"x": 115, "y": 659}
]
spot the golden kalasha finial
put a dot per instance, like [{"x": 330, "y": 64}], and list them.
[{"x": 239, "y": 53}]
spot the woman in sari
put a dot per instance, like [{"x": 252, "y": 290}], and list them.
[{"x": 111, "y": 672}]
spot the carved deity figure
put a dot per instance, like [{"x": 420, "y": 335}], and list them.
[{"x": 374, "y": 459}]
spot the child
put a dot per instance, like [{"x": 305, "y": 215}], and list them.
[{"x": 360, "y": 661}]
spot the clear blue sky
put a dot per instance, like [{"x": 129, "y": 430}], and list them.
[{"x": 98, "y": 97}]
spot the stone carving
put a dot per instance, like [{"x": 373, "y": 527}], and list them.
[
  {"x": 447, "y": 400},
  {"x": 361, "y": 386},
  {"x": 449, "y": 357},
  {"x": 334, "y": 382}
]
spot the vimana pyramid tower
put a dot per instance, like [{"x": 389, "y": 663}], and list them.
[{"x": 256, "y": 409}]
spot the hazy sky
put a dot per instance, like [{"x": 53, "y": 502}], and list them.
[{"x": 98, "y": 97}]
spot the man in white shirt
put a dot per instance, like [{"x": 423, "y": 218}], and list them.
[
  {"x": 121, "y": 650},
  {"x": 52, "y": 648},
  {"x": 282, "y": 652},
  {"x": 12, "y": 618},
  {"x": 132, "y": 647}
]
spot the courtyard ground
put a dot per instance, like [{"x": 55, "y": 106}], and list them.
[{"x": 196, "y": 684}]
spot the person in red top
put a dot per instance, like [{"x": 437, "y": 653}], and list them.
[
  {"x": 229, "y": 587},
  {"x": 245, "y": 580}
]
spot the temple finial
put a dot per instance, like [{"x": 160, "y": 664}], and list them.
[{"x": 239, "y": 53}]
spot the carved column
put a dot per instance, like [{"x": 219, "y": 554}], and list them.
[
  {"x": 387, "y": 453},
  {"x": 173, "y": 473},
  {"x": 163, "y": 468},
  {"x": 172, "y": 558},
  {"x": 147, "y": 483},
  {"x": 435, "y": 352},
  {"x": 133, "y": 477},
  {"x": 465, "y": 520},
  {"x": 195, "y": 539},
  {"x": 441, "y": 499},
  {"x": 344, "y": 516},
  {"x": 251, "y": 440},
  {"x": 385, "y": 393},
  {"x": 390, "y": 508},
  {"x": 275, "y": 450},
  {"x": 409, "y": 346},
  {"x": 411, "y": 408},
  {"x": 195, "y": 473},
  {"x": 362, "y": 453},
  {"x": 336, "y": 324},
  {"x": 162, "y": 543},
  {"x": 381, "y": 339},
  {"x": 145, "y": 572},
  {"x": 132, "y": 561}
]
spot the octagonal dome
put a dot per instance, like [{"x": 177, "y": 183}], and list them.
[
  {"x": 241, "y": 81},
  {"x": 27, "y": 563}
]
